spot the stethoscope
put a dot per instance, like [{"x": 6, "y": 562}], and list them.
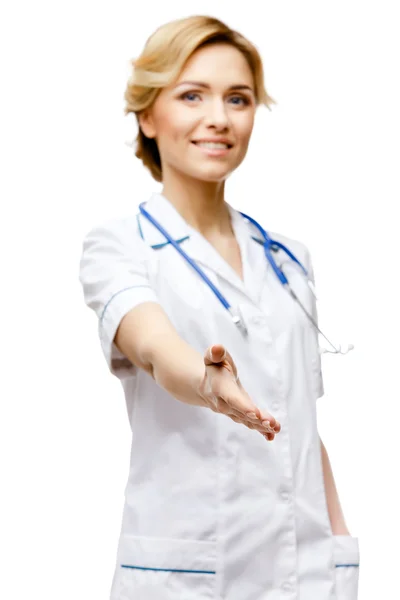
[{"x": 270, "y": 246}]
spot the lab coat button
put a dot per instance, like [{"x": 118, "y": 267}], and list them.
[
  {"x": 259, "y": 320},
  {"x": 285, "y": 496},
  {"x": 287, "y": 588}
]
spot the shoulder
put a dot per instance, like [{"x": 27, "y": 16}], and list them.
[
  {"x": 117, "y": 233},
  {"x": 296, "y": 246},
  {"x": 121, "y": 226}
]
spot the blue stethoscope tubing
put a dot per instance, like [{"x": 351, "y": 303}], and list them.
[{"x": 269, "y": 246}]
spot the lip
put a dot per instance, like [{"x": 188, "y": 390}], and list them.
[
  {"x": 214, "y": 141},
  {"x": 213, "y": 152}
]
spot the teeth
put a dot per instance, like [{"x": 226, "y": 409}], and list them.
[{"x": 217, "y": 145}]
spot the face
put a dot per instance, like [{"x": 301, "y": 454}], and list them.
[{"x": 203, "y": 122}]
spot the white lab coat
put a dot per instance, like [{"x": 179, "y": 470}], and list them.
[{"x": 212, "y": 510}]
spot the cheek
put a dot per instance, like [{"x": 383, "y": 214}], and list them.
[
  {"x": 243, "y": 131},
  {"x": 244, "y": 128},
  {"x": 173, "y": 126}
]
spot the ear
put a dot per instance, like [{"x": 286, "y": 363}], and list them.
[{"x": 146, "y": 123}]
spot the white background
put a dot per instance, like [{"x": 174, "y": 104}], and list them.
[{"x": 322, "y": 168}]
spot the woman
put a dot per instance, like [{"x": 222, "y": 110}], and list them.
[{"x": 211, "y": 510}]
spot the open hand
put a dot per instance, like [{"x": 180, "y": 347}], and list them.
[{"x": 223, "y": 393}]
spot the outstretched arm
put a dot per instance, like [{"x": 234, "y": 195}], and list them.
[{"x": 336, "y": 516}]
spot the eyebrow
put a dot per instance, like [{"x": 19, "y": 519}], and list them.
[{"x": 238, "y": 86}]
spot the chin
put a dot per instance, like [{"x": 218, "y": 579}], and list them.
[{"x": 214, "y": 173}]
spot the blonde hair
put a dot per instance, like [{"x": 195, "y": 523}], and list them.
[{"x": 161, "y": 62}]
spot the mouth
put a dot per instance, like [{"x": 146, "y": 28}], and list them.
[{"x": 212, "y": 145}]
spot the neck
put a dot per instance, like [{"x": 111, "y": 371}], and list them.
[{"x": 201, "y": 204}]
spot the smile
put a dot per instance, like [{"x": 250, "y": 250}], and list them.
[
  {"x": 213, "y": 149},
  {"x": 213, "y": 145}
]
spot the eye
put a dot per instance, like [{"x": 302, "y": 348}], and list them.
[
  {"x": 189, "y": 96},
  {"x": 240, "y": 100}
]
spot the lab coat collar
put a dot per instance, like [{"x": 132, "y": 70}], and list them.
[
  {"x": 166, "y": 214},
  {"x": 199, "y": 249}
]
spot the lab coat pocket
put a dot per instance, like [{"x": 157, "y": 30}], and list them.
[
  {"x": 171, "y": 569},
  {"x": 347, "y": 559}
]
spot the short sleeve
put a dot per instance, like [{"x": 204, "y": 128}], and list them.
[
  {"x": 114, "y": 277},
  {"x": 316, "y": 359}
]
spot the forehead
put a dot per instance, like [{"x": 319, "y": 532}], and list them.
[{"x": 218, "y": 63}]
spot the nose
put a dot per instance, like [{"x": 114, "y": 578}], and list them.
[{"x": 216, "y": 114}]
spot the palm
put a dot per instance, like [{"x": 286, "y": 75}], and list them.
[{"x": 224, "y": 394}]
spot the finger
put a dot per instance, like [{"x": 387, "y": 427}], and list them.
[
  {"x": 230, "y": 360},
  {"x": 241, "y": 422},
  {"x": 214, "y": 354},
  {"x": 269, "y": 424},
  {"x": 264, "y": 428},
  {"x": 225, "y": 408},
  {"x": 248, "y": 421},
  {"x": 221, "y": 406},
  {"x": 269, "y": 419},
  {"x": 262, "y": 419},
  {"x": 239, "y": 402},
  {"x": 217, "y": 354},
  {"x": 238, "y": 418},
  {"x": 235, "y": 418},
  {"x": 268, "y": 435},
  {"x": 247, "y": 424}
]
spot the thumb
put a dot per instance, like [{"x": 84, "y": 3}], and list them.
[{"x": 215, "y": 354}]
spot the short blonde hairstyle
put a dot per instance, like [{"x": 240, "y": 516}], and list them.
[{"x": 161, "y": 62}]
